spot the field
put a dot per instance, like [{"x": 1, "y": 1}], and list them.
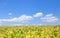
[{"x": 29, "y": 31}]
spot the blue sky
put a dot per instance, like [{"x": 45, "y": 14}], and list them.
[{"x": 29, "y": 12}]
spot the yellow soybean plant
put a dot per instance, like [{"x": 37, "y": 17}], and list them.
[{"x": 30, "y": 31}]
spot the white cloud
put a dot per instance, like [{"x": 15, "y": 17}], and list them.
[
  {"x": 38, "y": 14},
  {"x": 25, "y": 17},
  {"x": 49, "y": 15},
  {"x": 10, "y": 13},
  {"x": 19, "y": 19},
  {"x": 49, "y": 18}
]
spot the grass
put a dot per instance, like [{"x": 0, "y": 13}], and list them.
[{"x": 30, "y": 31}]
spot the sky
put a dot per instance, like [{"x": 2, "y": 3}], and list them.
[{"x": 29, "y": 12}]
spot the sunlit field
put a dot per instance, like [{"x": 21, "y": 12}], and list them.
[{"x": 30, "y": 31}]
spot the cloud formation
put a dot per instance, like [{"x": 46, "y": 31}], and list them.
[
  {"x": 49, "y": 18},
  {"x": 39, "y": 14},
  {"x": 25, "y": 18},
  {"x": 10, "y": 13},
  {"x": 19, "y": 19}
]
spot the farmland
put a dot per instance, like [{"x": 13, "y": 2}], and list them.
[{"x": 30, "y": 31}]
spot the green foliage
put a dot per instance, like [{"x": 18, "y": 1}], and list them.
[{"x": 29, "y": 31}]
